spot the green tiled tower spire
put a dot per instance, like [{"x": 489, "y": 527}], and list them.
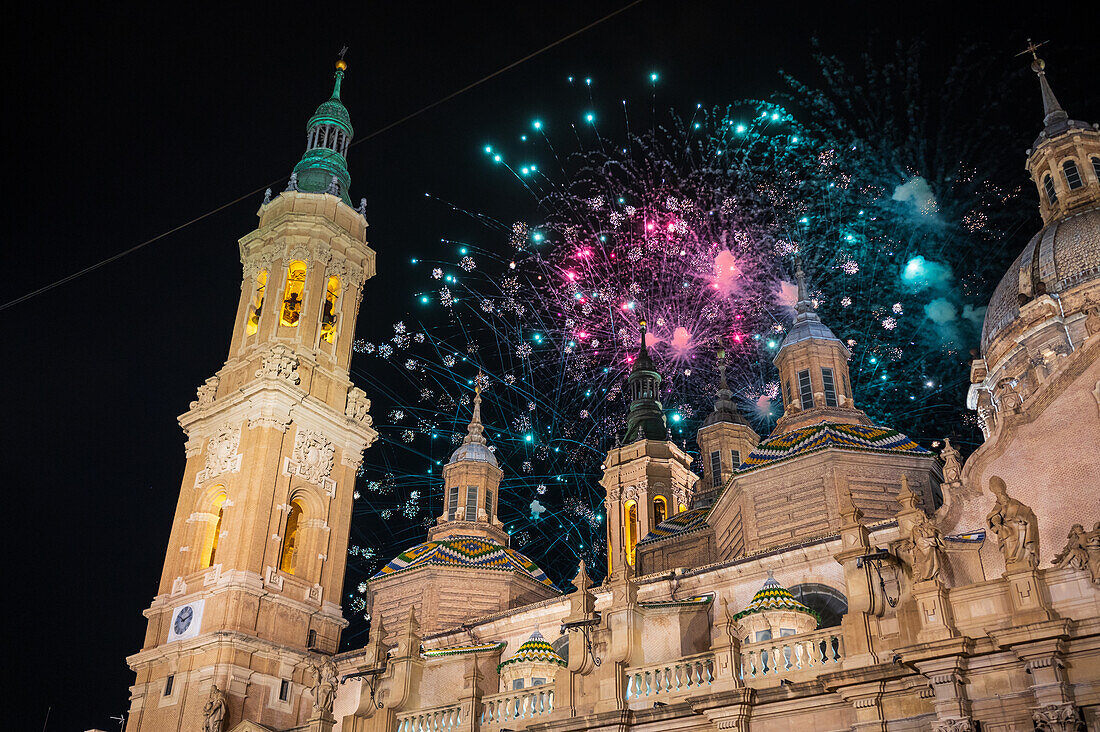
[{"x": 324, "y": 166}]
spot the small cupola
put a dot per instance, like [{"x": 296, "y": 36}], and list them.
[
  {"x": 774, "y": 613},
  {"x": 471, "y": 480},
  {"x": 725, "y": 438},
  {"x": 324, "y": 165},
  {"x": 813, "y": 371},
  {"x": 533, "y": 664},
  {"x": 1064, "y": 160},
  {"x": 646, "y": 418}
]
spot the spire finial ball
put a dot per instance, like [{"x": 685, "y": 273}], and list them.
[
  {"x": 341, "y": 65},
  {"x": 1037, "y": 65}
]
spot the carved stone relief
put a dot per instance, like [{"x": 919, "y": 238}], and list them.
[
  {"x": 280, "y": 363},
  {"x": 221, "y": 454},
  {"x": 358, "y": 406},
  {"x": 313, "y": 459},
  {"x": 206, "y": 392}
]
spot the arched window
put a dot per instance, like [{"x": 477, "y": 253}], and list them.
[
  {"x": 328, "y": 310},
  {"x": 257, "y": 304},
  {"x": 630, "y": 511},
  {"x": 213, "y": 532},
  {"x": 292, "y": 296},
  {"x": 830, "y": 604},
  {"x": 1096, "y": 167},
  {"x": 1073, "y": 175},
  {"x": 290, "y": 538},
  {"x": 1048, "y": 187},
  {"x": 660, "y": 510}
]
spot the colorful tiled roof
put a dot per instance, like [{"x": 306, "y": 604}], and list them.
[
  {"x": 459, "y": 650},
  {"x": 774, "y": 596},
  {"x": 679, "y": 523},
  {"x": 465, "y": 551},
  {"x": 535, "y": 648},
  {"x": 824, "y": 435}
]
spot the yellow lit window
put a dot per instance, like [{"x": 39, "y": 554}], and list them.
[
  {"x": 631, "y": 511},
  {"x": 292, "y": 296},
  {"x": 290, "y": 538},
  {"x": 328, "y": 312},
  {"x": 660, "y": 510},
  {"x": 213, "y": 533},
  {"x": 257, "y": 304}
]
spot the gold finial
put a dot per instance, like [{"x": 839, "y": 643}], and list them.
[
  {"x": 477, "y": 383},
  {"x": 341, "y": 64},
  {"x": 1037, "y": 64}
]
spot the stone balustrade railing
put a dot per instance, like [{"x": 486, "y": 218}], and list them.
[
  {"x": 436, "y": 719},
  {"x": 516, "y": 709},
  {"x": 805, "y": 654},
  {"x": 682, "y": 676}
]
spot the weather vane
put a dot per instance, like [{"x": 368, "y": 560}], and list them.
[{"x": 342, "y": 52}]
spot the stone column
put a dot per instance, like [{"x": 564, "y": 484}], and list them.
[
  {"x": 1041, "y": 647},
  {"x": 944, "y": 664},
  {"x": 859, "y": 586}
]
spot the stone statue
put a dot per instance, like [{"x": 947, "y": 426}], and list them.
[
  {"x": 952, "y": 466},
  {"x": 1092, "y": 319},
  {"x": 324, "y": 692},
  {"x": 215, "y": 711},
  {"x": 1082, "y": 551},
  {"x": 1015, "y": 526},
  {"x": 927, "y": 550}
]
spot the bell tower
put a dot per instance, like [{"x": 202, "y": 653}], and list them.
[
  {"x": 647, "y": 478},
  {"x": 251, "y": 585}
]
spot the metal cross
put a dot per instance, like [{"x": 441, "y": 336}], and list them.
[
  {"x": 1032, "y": 48},
  {"x": 345, "y": 50}
]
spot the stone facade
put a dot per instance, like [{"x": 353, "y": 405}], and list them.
[
  {"x": 837, "y": 578},
  {"x": 841, "y": 577}
]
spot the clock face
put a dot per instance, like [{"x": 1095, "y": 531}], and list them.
[{"x": 183, "y": 620}]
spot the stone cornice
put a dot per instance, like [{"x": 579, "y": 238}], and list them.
[{"x": 273, "y": 402}]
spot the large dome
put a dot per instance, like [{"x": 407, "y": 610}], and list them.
[{"x": 1063, "y": 254}]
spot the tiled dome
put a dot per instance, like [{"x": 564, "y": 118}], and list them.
[
  {"x": 774, "y": 596},
  {"x": 1063, "y": 254},
  {"x": 465, "y": 551},
  {"x": 536, "y": 648}
]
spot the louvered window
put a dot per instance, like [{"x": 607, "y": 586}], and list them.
[
  {"x": 452, "y": 503},
  {"x": 805, "y": 391},
  {"x": 830, "y": 387},
  {"x": 471, "y": 503},
  {"x": 1096, "y": 168},
  {"x": 735, "y": 458},
  {"x": 488, "y": 502},
  {"x": 715, "y": 468}
]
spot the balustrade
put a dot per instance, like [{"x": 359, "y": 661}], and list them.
[
  {"x": 437, "y": 719},
  {"x": 684, "y": 675},
  {"x": 516, "y": 708},
  {"x": 816, "y": 652}
]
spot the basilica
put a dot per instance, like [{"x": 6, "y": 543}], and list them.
[{"x": 832, "y": 575}]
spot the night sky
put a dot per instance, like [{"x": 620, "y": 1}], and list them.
[{"x": 132, "y": 121}]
